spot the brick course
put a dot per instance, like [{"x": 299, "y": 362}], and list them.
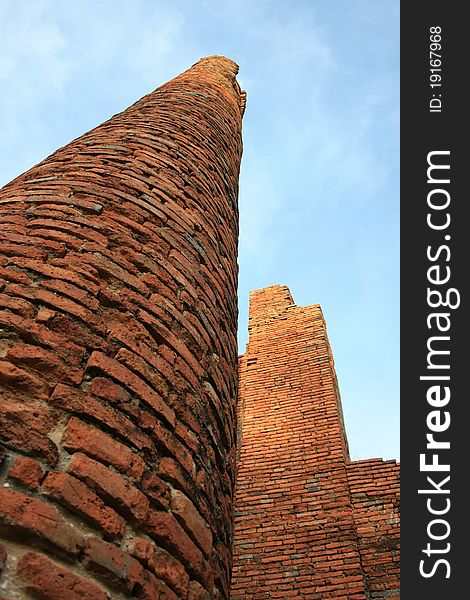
[{"x": 118, "y": 354}]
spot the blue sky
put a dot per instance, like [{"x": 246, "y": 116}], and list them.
[{"x": 319, "y": 185}]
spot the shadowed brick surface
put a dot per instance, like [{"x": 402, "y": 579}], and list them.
[
  {"x": 118, "y": 354},
  {"x": 308, "y": 522}
]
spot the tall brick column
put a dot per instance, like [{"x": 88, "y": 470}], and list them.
[
  {"x": 308, "y": 522},
  {"x": 118, "y": 354}
]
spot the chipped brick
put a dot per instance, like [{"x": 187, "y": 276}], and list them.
[
  {"x": 81, "y": 437},
  {"x": 55, "y": 582},
  {"x": 78, "y": 497},
  {"x": 27, "y": 516},
  {"x": 112, "y": 487},
  {"x": 26, "y": 471}
]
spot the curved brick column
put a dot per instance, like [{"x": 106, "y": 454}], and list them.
[{"x": 118, "y": 355}]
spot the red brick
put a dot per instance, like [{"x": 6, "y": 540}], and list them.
[
  {"x": 81, "y": 437},
  {"x": 146, "y": 371},
  {"x": 156, "y": 489},
  {"x": 54, "y": 272},
  {"x": 55, "y": 582},
  {"x": 166, "y": 531},
  {"x": 32, "y": 241},
  {"x": 115, "y": 369},
  {"x": 26, "y": 471},
  {"x": 74, "y": 229},
  {"x": 109, "y": 485},
  {"x": 44, "y": 362},
  {"x": 9, "y": 249},
  {"x": 25, "y": 427},
  {"x": 170, "y": 444},
  {"x": 169, "y": 470},
  {"x": 187, "y": 514},
  {"x": 112, "y": 564},
  {"x": 189, "y": 438},
  {"x": 14, "y": 275},
  {"x": 298, "y": 498},
  {"x": 75, "y": 331},
  {"x": 178, "y": 347},
  {"x": 151, "y": 588},
  {"x": 54, "y": 300},
  {"x": 14, "y": 378},
  {"x": 197, "y": 592},
  {"x": 104, "y": 265},
  {"x": 78, "y": 497},
  {"x": 74, "y": 261},
  {"x": 163, "y": 564},
  {"x": 27, "y": 515},
  {"x": 71, "y": 291},
  {"x": 31, "y": 331},
  {"x": 77, "y": 402},
  {"x": 106, "y": 389},
  {"x": 18, "y": 305}
]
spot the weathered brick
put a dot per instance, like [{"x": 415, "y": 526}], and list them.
[
  {"x": 24, "y": 515},
  {"x": 78, "y": 497},
  {"x": 14, "y": 275},
  {"x": 189, "y": 438},
  {"x": 81, "y": 437},
  {"x": 170, "y": 444},
  {"x": 115, "y": 369},
  {"x": 151, "y": 588},
  {"x": 156, "y": 489},
  {"x": 38, "y": 333},
  {"x": 146, "y": 371},
  {"x": 71, "y": 291},
  {"x": 12, "y": 249},
  {"x": 112, "y": 564},
  {"x": 15, "y": 378},
  {"x": 54, "y": 300},
  {"x": 53, "y": 272},
  {"x": 77, "y": 402},
  {"x": 26, "y": 471},
  {"x": 55, "y": 582},
  {"x": 169, "y": 470},
  {"x": 25, "y": 427},
  {"x": 45, "y": 362},
  {"x": 112, "y": 487},
  {"x": 166, "y": 531},
  {"x": 108, "y": 390},
  {"x": 74, "y": 331},
  {"x": 163, "y": 564},
  {"x": 197, "y": 592},
  {"x": 17, "y": 305},
  {"x": 187, "y": 514}
]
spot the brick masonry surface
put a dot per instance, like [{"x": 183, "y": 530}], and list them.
[
  {"x": 118, "y": 354},
  {"x": 309, "y": 523}
]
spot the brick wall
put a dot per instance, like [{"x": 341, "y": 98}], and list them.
[
  {"x": 118, "y": 317},
  {"x": 308, "y": 522},
  {"x": 375, "y": 496}
]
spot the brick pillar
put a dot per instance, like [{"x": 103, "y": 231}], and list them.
[
  {"x": 294, "y": 527},
  {"x": 118, "y": 354}
]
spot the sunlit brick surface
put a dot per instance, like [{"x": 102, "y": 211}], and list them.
[{"x": 308, "y": 523}]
